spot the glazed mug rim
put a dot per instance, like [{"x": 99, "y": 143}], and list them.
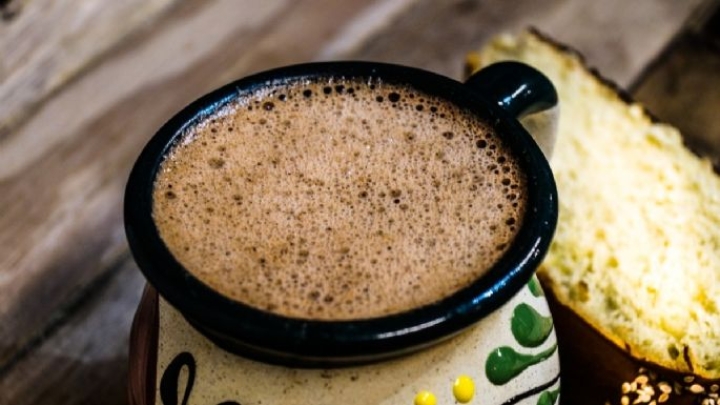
[{"x": 274, "y": 338}]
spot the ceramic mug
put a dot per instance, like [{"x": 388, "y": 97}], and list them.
[{"x": 491, "y": 342}]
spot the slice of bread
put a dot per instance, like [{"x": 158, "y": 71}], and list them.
[{"x": 637, "y": 249}]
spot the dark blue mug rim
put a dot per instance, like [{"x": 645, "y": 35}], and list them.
[{"x": 268, "y": 337}]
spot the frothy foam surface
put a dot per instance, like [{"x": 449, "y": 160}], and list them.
[{"x": 342, "y": 200}]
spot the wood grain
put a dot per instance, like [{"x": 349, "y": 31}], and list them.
[
  {"x": 679, "y": 87},
  {"x": 79, "y": 363},
  {"x": 617, "y": 37},
  {"x": 45, "y": 43},
  {"x": 64, "y": 264}
]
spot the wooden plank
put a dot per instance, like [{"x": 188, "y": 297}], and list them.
[
  {"x": 616, "y": 36},
  {"x": 681, "y": 87},
  {"x": 85, "y": 360},
  {"x": 63, "y": 172},
  {"x": 45, "y": 43}
]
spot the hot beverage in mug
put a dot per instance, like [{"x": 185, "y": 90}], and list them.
[
  {"x": 339, "y": 200},
  {"x": 349, "y": 232}
]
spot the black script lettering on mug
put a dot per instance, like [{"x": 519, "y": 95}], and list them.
[{"x": 171, "y": 376}]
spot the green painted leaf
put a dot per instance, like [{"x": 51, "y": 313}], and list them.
[
  {"x": 529, "y": 328},
  {"x": 504, "y": 363},
  {"x": 535, "y": 288},
  {"x": 548, "y": 397}
]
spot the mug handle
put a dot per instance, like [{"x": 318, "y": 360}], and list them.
[{"x": 525, "y": 93}]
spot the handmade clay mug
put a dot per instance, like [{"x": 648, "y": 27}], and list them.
[{"x": 255, "y": 308}]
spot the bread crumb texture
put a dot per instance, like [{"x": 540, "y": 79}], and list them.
[{"x": 637, "y": 248}]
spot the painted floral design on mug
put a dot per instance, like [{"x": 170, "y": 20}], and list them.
[
  {"x": 530, "y": 330},
  {"x": 192, "y": 370}
]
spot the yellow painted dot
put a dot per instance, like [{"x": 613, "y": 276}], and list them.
[
  {"x": 425, "y": 398},
  {"x": 464, "y": 389}
]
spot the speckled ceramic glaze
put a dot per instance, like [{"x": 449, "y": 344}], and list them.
[
  {"x": 491, "y": 342},
  {"x": 509, "y": 357}
]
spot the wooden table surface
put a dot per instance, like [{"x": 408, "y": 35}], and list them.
[{"x": 85, "y": 83}]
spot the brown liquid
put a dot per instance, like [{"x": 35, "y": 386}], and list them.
[{"x": 339, "y": 201}]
